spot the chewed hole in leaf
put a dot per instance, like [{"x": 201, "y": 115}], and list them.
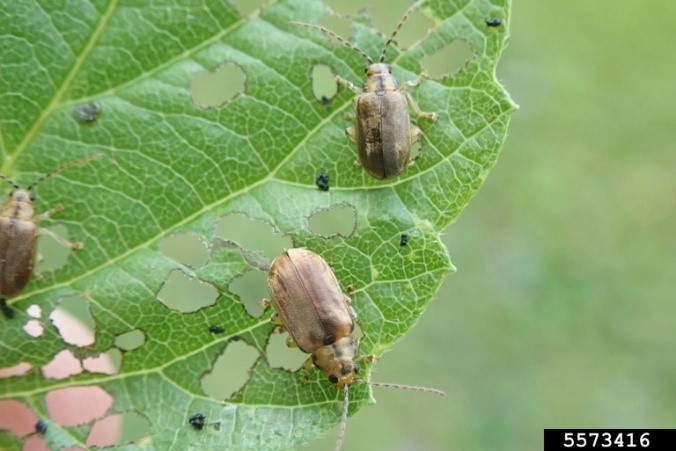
[
  {"x": 279, "y": 355},
  {"x": 63, "y": 365},
  {"x": 74, "y": 406},
  {"x": 251, "y": 288},
  {"x": 108, "y": 362},
  {"x": 246, "y": 7},
  {"x": 324, "y": 85},
  {"x": 211, "y": 89},
  {"x": 34, "y": 310},
  {"x": 256, "y": 235},
  {"x": 74, "y": 321},
  {"x": 118, "y": 429},
  {"x": 414, "y": 29},
  {"x": 131, "y": 340},
  {"x": 53, "y": 255},
  {"x": 185, "y": 248},
  {"x": 448, "y": 60},
  {"x": 385, "y": 18},
  {"x": 340, "y": 22},
  {"x": 35, "y": 444},
  {"x": 338, "y": 220},
  {"x": 17, "y": 418},
  {"x": 186, "y": 294},
  {"x": 231, "y": 370},
  {"x": 17, "y": 370},
  {"x": 34, "y": 328}
]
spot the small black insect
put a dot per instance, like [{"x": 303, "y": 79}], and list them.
[
  {"x": 6, "y": 309},
  {"x": 322, "y": 181},
  {"x": 324, "y": 100},
  {"x": 494, "y": 22},
  {"x": 403, "y": 241},
  {"x": 197, "y": 421},
  {"x": 86, "y": 112},
  {"x": 216, "y": 329},
  {"x": 40, "y": 427}
]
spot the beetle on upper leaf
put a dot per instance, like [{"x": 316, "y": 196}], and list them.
[{"x": 383, "y": 130}]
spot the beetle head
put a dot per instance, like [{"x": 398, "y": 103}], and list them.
[
  {"x": 337, "y": 361},
  {"x": 20, "y": 204},
  {"x": 378, "y": 69}
]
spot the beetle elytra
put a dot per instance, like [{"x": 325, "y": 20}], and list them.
[
  {"x": 19, "y": 232},
  {"x": 383, "y": 130},
  {"x": 318, "y": 316}
]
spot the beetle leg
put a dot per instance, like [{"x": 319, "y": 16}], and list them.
[
  {"x": 276, "y": 319},
  {"x": 308, "y": 364},
  {"x": 38, "y": 276},
  {"x": 341, "y": 81},
  {"x": 278, "y": 330},
  {"x": 290, "y": 342},
  {"x": 306, "y": 370},
  {"x": 351, "y": 133},
  {"x": 348, "y": 301},
  {"x": 62, "y": 241},
  {"x": 424, "y": 75},
  {"x": 48, "y": 213},
  {"x": 414, "y": 136},
  {"x": 418, "y": 111},
  {"x": 368, "y": 358}
]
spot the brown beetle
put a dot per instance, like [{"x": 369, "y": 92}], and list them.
[
  {"x": 315, "y": 312},
  {"x": 310, "y": 305},
  {"x": 383, "y": 130},
  {"x": 19, "y": 232}
]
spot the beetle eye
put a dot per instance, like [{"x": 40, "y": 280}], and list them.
[
  {"x": 389, "y": 68},
  {"x": 366, "y": 69},
  {"x": 31, "y": 196},
  {"x": 356, "y": 368},
  {"x": 333, "y": 379}
]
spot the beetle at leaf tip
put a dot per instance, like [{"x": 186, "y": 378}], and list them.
[
  {"x": 383, "y": 130},
  {"x": 310, "y": 305}
]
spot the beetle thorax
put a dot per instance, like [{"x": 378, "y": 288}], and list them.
[
  {"x": 379, "y": 78},
  {"x": 19, "y": 205},
  {"x": 338, "y": 361}
]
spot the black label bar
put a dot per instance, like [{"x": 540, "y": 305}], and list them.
[{"x": 610, "y": 439}]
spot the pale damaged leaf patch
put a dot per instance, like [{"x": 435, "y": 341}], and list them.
[{"x": 209, "y": 189}]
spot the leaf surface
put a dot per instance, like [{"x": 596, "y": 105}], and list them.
[{"x": 172, "y": 167}]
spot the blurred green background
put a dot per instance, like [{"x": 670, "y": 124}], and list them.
[{"x": 562, "y": 311}]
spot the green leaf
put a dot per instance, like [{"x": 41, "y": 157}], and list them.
[{"x": 171, "y": 167}]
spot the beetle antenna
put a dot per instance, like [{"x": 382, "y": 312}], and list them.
[
  {"x": 65, "y": 167},
  {"x": 433, "y": 391},
  {"x": 343, "y": 419},
  {"x": 330, "y": 34},
  {"x": 401, "y": 23},
  {"x": 10, "y": 181}
]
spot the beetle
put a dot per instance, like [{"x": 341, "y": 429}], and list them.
[
  {"x": 383, "y": 130},
  {"x": 319, "y": 318},
  {"x": 322, "y": 180},
  {"x": 197, "y": 421},
  {"x": 403, "y": 240},
  {"x": 494, "y": 22},
  {"x": 19, "y": 232},
  {"x": 86, "y": 113}
]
